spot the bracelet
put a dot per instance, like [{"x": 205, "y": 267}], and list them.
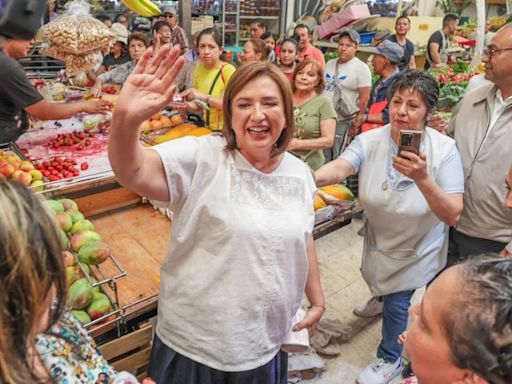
[{"x": 317, "y": 306}]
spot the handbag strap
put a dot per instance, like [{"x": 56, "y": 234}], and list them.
[{"x": 210, "y": 93}]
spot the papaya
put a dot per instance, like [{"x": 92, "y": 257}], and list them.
[
  {"x": 80, "y": 294},
  {"x": 82, "y": 225},
  {"x": 94, "y": 253},
  {"x": 76, "y": 216},
  {"x": 78, "y": 240},
  {"x": 64, "y": 220},
  {"x": 68, "y": 204},
  {"x": 198, "y": 132},
  {"x": 82, "y": 316},
  {"x": 99, "y": 306},
  {"x": 175, "y": 133},
  {"x": 54, "y": 205},
  {"x": 319, "y": 203},
  {"x": 339, "y": 192},
  {"x": 64, "y": 241}
]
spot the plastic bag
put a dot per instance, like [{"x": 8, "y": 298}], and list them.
[{"x": 77, "y": 32}]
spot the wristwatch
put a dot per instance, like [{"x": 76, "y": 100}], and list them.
[{"x": 364, "y": 117}]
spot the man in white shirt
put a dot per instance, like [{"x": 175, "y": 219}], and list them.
[
  {"x": 482, "y": 127},
  {"x": 353, "y": 79}
]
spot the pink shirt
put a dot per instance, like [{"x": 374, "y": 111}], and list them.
[{"x": 312, "y": 53}]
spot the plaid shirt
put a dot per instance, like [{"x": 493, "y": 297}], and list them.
[
  {"x": 119, "y": 74},
  {"x": 179, "y": 37}
]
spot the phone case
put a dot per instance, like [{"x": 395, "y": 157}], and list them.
[{"x": 410, "y": 141}]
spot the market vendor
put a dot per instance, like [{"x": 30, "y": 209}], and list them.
[
  {"x": 402, "y": 27},
  {"x": 137, "y": 44},
  {"x": 210, "y": 78},
  {"x": 439, "y": 41},
  {"x": 18, "y": 97},
  {"x": 242, "y": 252},
  {"x": 409, "y": 201},
  {"x": 306, "y": 49}
]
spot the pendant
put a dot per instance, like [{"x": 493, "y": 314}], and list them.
[{"x": 385, "y": 186}]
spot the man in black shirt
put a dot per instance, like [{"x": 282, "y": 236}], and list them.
[
  {"x": 18, "y": 96},
  {"x": 437, "y": 47},
  {"x": 402, "y": 27}
]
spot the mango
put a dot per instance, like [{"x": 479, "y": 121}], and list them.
[
  {"x": 319, "y": 203},
  {"x": 78, "y": 240},
  {"x": 69, "y": 259},
  {"x": 64, "y": 221},
  {"x": 72, "y": 274},
  {"x": 100, "y": 305},
  {"x": 82, "y": 225},
  {"x": 339, "y": 192},
  {"x": 94, "y": 253},
  {"x": 198, "y": 132},
  {"x": 80, "y": 294},
  {"x": 82, "y": 316},
  {"x": 76, "y": 216},
  {"x": 64, "y": 241},
  {"x": 69, "y": 205},
  {"x": 54, "y": 205}
]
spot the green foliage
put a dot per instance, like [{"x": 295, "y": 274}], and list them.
[{"x": 449, "y": 6}]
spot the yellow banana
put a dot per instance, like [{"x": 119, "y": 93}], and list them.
[
  {"x": 153, "y": 8},
  {"x": 137, "y": 7}
]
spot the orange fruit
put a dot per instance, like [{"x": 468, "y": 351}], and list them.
[
  {"x": 176, "y": 119},
  {"x": 166, "y": 121},
  {"x": 156, "y": 116},
  {"x": 155, "y": 125}
]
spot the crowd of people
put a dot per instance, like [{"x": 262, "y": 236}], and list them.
[{"x": 242, "y": 253}]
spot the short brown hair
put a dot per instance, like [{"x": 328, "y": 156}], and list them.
[
  {"x": 141, "y": 36},
  {"x": 316, "y": 67},
  {"x": 244, "y": 74}
]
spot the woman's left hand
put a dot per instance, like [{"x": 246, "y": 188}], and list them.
[
  {"x": 411, "y": 165},
  {"x": 310, "y": 321}
]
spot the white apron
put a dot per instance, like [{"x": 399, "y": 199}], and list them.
[{"x": 406, "y": 244}]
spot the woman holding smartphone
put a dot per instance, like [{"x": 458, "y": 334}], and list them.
[{"x": 420, "y": 195}]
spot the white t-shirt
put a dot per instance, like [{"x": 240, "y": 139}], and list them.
[
  {"x": 352, "y": 75},
  {"x": 237, "y": 265}
]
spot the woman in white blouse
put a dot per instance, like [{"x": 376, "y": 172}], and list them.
[{"x": 242, "y": 251}]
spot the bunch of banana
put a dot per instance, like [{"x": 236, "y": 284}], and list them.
[{"x": 144, "y": 8}]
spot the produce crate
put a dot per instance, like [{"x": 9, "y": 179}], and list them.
[{"x": 130, "y": 352}]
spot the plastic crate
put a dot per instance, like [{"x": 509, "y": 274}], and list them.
[{"x": 366, "y": 37}]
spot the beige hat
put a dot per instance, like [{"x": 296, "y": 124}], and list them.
[
  {"x": 169, "y": 10},
  {"x": 120, "y": 31}
]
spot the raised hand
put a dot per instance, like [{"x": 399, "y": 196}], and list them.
[
  {"x": 150, "y": 86},
  {"x": 411, "y": 165}
]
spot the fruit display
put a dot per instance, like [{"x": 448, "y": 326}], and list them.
[
  {"x": 160, "y": 121},
  {"x": 332, "y": 195},
  {"x": 144, "y": 8},
  {"x": 59, "y": 168},
  {"x": 83, "y": 248},
  {"x": 13, "y": 167}
]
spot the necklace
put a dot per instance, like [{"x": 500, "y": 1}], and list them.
[{"x": 385, "y": 185}]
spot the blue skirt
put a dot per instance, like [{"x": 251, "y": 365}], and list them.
[{"x": 169, "y": 367}]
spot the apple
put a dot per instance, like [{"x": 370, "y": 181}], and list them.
[
  {"x": 26, "y": 166},
  {"x": 3, "y": 162},
  {"x": 22, "y": 177},
  {"x": 7, "y": 170},
  {"x": 12, "y": 158},
  {"x": 37, "y": 186},
  {"x": 36, "y": 174}
]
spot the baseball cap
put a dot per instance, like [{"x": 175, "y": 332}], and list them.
[
  {"x": 389, "y": 50},
  {"x": 120, "y": 32},
  {"x": 352, "y": 35},
  {"x": 169, "y": 10}
]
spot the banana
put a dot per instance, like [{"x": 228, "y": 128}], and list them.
[
  {"x": 137, "y": 7},
  {"x": 153, "y": 8}
]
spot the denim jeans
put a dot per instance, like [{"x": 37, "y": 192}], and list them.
[{"x": 395, "y": 313}]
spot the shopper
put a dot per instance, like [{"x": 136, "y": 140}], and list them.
[
  {"x": 40, "y": 340},
  {"x": 306, "y": 49},
  {"x": 257, "y": 29},
  {"x": 210, "y": 78},
  {"x": 122, "y": 19},
  {"x": 118, "y": 50},
  {"x": 508, "y": 203},
  {"x": 439, "y": 41},
  {"x": 402, "y": 28},
  {"x": 137, "y": 43},
  {"x": 162, "y": 32},
  {"x": 288, "y": 57},
  {"x": 386, "y": 57},
  {"x": 409, "y": 201},
  {"x": 18, "y": 97},
  {"x": 178, "y": 35},
  {"x": 236, "y": 269},
  {"x": 315, "y": 118},
  {"x": 254, "y": 50},
  {"x": 481, "y": 125},
  {"x": 271, "y": 40},
  {"x": 348, "y": 83},
  {"x": 461, "y": 331}
]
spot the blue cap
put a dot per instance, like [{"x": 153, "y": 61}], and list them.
[{"x": 391, "y": 51}]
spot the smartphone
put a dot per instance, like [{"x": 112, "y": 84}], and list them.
[{"x": 410, "y": 141}]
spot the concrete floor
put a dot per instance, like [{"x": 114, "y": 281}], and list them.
[{"x": 339, "y": 257}]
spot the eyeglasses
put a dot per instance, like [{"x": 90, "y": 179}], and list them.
[{"x": 492, "y": 51}]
